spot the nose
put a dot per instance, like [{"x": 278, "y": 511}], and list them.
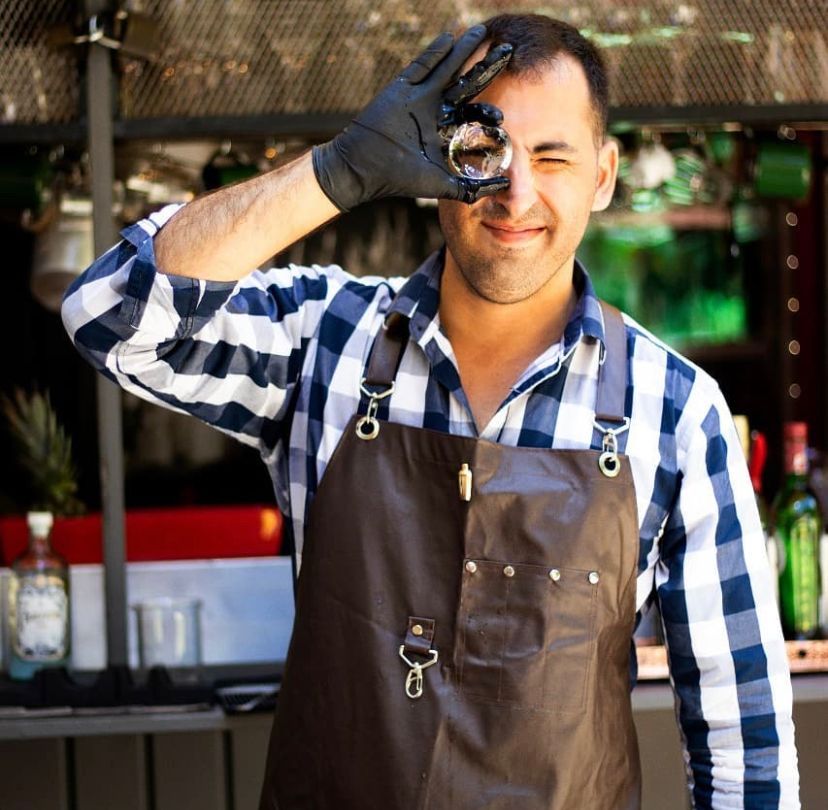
[{"x": 521, "y": 194}]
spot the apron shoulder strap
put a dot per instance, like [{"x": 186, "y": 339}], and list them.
[
  {"x": 612, "y": 375},
  {"x": 387, "y": 351},
  {"x": 392, "y": 339}
]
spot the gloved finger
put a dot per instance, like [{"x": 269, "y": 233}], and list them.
[
  {"x": 487, "y": 187},
  {"x": 465, "y": 46},
  {"x": 486, "y": 114},
  {"x": 480, "y": 76},
  {"x": 468, "y": 190},
  {"x": 428, "y": 59},
  {"x": 482, "y": 113}
]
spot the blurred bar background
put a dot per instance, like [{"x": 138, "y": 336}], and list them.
[{"x": 716, "y": 241}]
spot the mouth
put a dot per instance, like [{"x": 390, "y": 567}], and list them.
[{"x": 512, "y": 234}]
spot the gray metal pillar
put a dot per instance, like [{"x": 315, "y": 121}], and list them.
[{"x": 110, "y": 435}]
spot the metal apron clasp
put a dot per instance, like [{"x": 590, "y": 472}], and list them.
[
  {"x": 368, "y": 427},
  {"x": 414, "y": 679},
  {"x": 608, "y": 461}
]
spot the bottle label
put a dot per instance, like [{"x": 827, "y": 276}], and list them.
[
  {"x": 804, "y": 563},
  {"x": 796, "y": 457},
  {"x": 41, "y": 619},
  {"x": 823, "y": 567}
]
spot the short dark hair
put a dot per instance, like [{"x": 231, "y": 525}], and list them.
[{"x": 538, "y": 40}]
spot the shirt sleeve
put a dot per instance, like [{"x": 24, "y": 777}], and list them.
[
  {"x": 228, "y": 353},
  {"x": 727, "y": 656}
]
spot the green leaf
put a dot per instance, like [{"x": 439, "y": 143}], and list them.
[{"x": 44, "y": 452}]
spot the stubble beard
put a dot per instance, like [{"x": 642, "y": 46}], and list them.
[
  {"x": 501, "y": 275},
  {"x": 497, "y": 281}
]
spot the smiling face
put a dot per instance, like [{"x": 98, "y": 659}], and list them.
[{"x": 521, "y": 242}]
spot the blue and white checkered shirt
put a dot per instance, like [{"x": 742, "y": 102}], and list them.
[{"x": 276, "y": 359}]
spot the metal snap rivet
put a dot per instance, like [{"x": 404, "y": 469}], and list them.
[
  {"x": 609, "y": 464},
  {"x": 593, "y": 577},
  {"x": 471, "y": 566},
  {"x": 417, "y": 630},
  {"x": 367, "y": 428},
  {"x": 554, "y": 575},
  {"x": 508, "y": 571}
]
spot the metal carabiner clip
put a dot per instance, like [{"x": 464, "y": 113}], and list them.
[
  {"x": 414, "y": 679},
  {"x": 368, "y": 426},
  {"x": 608, "y": 462}
]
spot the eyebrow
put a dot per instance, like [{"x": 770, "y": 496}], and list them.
[{"x": 554, "y": 146}]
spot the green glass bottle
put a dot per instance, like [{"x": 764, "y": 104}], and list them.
[{"x": 798, "y": 524}]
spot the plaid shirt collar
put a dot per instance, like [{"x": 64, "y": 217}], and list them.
[{"x": 419, "y": 301}]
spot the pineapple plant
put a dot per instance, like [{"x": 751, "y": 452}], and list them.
[{"x": 44, "y": 451}]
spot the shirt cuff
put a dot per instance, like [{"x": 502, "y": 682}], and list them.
[{"x": 150, "y": 293}]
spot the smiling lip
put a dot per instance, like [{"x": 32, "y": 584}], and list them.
[{"x": 512, "y": 234}]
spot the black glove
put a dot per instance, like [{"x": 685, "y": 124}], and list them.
[{"x": 394, "y": 147}]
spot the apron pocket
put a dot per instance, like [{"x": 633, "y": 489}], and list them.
[{"x": 525, "y": 634}]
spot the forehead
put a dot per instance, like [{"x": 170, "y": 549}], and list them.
[{"x": 553, "y": 101}]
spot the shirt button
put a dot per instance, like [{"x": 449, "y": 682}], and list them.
[
  {"x": 471, "y": 566},
  {"x": 554, "y": 575},
  {"x": 508, "y": 571},
  {"x": 593, "y": 577}
]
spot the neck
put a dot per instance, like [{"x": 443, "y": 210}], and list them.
[
  {"x": 494, "y": 343},
  {"x": 532, "y": 324}
]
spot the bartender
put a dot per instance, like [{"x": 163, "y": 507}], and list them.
[{"x": 490, "y": 474}]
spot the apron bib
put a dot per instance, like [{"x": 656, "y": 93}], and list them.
[{"x": 464, "y": 619}]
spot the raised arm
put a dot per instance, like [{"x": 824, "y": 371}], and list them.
[
  {"x": 392, "y": 148},
  {"x": 223, "y": 235},
  {"x": 178, "y": 313}
]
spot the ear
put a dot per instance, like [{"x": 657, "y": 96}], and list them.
[{"x": 607, "y": 174}]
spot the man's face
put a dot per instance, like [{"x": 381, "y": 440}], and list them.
[{"x": 511, "y": 245}]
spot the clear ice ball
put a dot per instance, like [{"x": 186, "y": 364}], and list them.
[{"x": 479, "y": 152}]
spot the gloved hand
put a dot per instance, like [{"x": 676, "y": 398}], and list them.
[{"x": 394, "y": 147}]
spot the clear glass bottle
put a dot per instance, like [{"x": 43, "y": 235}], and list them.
[
  {"x": 798, "y": 524},
  {"x": 38, "y": 608}
]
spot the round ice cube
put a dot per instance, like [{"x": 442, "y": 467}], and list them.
[{"x": 479, "y": 152}]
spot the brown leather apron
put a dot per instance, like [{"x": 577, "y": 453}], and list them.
[{"x": 463, "y": 623}]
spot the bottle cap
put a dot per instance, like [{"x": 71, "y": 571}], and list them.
[
  {"x": 758, "y": 457},
  {"x": 40, "y": 523}
]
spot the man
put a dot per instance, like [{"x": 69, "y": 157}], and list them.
[{"x": 489, "y": 474}]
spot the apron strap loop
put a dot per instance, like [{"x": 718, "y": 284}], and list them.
[{"x": 419, "y": 637}]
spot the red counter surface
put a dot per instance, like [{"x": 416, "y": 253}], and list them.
[{"x": 160, "y": 534}]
